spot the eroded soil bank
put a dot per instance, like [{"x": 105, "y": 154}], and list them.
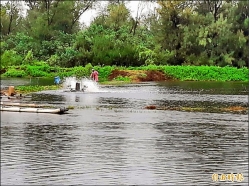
[{"x": 140, "y": 75}]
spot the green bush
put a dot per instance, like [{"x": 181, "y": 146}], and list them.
[
  {"x": 38, "y": 71},
  {"x": 10, "y": 57},
  {"x": 206, "y": 73},
  {"x": 15, "y": 73},
  {"x": 104, "y": 72},
  {"x": 121, "y": 78}
]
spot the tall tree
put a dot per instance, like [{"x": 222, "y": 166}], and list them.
[
  {"x": 140, "y": 15},
  {"x": 11, "y": 16},
  {"x": 114, "y": 15},
  {"x": 238, "y": 17},
  {"x": 167, "y": 31},
  {"x": 210, "y": 6},
  {"x": 45, "y": 17}
]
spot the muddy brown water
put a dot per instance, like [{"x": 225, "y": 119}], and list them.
[{"x": 109, "y": 138}]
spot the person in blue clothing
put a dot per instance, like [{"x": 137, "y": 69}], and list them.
[{"x": 57, "y": 80}]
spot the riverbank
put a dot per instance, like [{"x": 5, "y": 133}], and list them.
[
  {"x": 133, "y": 74},
  {"x": 113, "y": 75}
]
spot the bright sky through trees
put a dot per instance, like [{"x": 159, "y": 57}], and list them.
[
  {"x": 133, "y": 6},
  {"x": 90, "y": 14}
]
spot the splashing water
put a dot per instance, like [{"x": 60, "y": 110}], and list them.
[
  {"x": 91, "y": 86},
  {"x": 69, "y": 83}
]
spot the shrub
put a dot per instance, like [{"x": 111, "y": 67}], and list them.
[
  {"x": 121, "y": 78},
  {"x": 15, "y": 73},
  {"x": 38, "y": 71},
  {"x": 10, "y": 57}
]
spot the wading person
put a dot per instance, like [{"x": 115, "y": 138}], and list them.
[{"x": 94, "y": 75}]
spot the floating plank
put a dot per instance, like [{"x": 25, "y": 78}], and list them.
[{"x": 34, "y": 110}]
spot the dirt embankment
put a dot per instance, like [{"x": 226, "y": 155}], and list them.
[{"x": 140, "y": 75}]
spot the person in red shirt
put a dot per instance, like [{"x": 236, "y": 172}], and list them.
[{"x": 94, "y": 75}]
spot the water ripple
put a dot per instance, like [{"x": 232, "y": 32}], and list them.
[{"x": 133, "y": 147}]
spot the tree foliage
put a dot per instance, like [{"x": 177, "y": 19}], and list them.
[{"x": 202, "y": 32}]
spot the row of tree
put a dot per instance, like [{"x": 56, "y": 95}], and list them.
[{"x": 182, "y": 32}]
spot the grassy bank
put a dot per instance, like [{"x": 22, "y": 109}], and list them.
[
  {"x": 182, "y": 73},
  {"x": 201, "y": 73},
  {"x": 35, "y": 88}
]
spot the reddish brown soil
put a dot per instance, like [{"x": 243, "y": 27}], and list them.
[
  {"x": 150, "y": 107},
  {"x": 139, "y": 75}
]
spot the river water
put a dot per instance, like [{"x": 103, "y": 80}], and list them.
[{"x": 109, "y": 138}]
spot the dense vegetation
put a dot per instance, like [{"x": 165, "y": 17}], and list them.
[
  {"x": 202, "y": 32},
  {"x": 193, "y": 73}
]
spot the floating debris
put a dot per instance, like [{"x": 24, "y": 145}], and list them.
[
  {"x": 211, "y": 109},
  {"x": 150, "y": 107}
]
